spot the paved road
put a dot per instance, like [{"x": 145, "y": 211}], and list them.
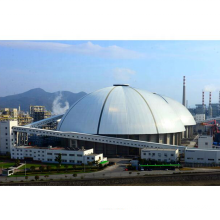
[{"x": 110, "y": 172}]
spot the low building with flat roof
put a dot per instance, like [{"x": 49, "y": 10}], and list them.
[
  {"x": 162, "y": 155},
  {"x": 48, "y": 155},
  {"x": 203, "y": 156}
]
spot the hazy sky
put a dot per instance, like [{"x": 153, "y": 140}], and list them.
[{"x": 156, "y": 66}]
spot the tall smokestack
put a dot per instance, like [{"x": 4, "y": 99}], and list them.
[
  {"x": 203, "y": 98},
  {"x": 203, "y": 101},
  {"x": 184, "y": 91},
  {"x": 210, "y": 106}
]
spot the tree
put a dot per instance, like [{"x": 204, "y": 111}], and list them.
[
  {"x": 17, "y": 162},
  {"x": 41, "y": 168},
  {"x": 59, "y": 159},
  {"x": 58, "y": 167},
  {"x": 48, "y": 168},
  {"x": 74, "y": 175},
  {"x": 26, "y": 177},
  {"x": 66, "y": 166},
  {"x": 32, "y": 168},
  {"x": 36, "y": 178},
  {"x": 74, "y": 166}
]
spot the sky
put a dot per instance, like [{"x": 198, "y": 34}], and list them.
[{"x": 156, "y": 66}]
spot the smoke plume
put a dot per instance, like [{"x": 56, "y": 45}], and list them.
[{"x": 57, "y": 105}]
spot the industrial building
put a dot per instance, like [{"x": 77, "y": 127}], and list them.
[
  {"x": 205, "y": 142},
  {"x": 7, "y": 139},
  {"x": 202, "y": 156},
  {"x": 48, "y": 155},
  {"x": 125, "y": 112},
  {"x": 117, "y": 120},
  {"x": 8, "y": 114},
  {"x": 199, "y": 117},
  {"x": 161, "y": 155},
  {"x": 39, "y": 113}
]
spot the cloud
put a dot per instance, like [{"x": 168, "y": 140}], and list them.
[
  {"x": 211, "y": 88},
  {"x": 123, "y": 74},
  {"x": 88, "y": 48}
]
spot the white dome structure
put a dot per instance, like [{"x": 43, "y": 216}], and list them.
[{"x": 123, "y": 110}]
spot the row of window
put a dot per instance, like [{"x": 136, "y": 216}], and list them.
[
  {"x": 66, "y": 161},
  {"x": 71, "y": 155},
  {"x": 159, "y": 154},
  {"x": 191, "y": 158}
]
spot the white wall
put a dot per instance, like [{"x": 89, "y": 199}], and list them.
[
  {"x": 199, "y": 117},
  {"x": 7, "y": 138},
  {"x": 202, "y": 156},
  {"x": 160, "y": 155},
  {"x": 205, "y": 142},
  {"x": 49, "y": 155}
]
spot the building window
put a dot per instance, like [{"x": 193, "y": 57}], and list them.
[
  {"x": 6, "y": 133},
  {"x": 206, "y": 143},
  {"x": 172, "y": 155},
  {"x": 79, "y": 161},
  {"x": 6, "y": 143},
  {"x": 49, "y": 153},
  {"x": 144, "y": 153},
  {"x": 72, "y": 155},
  {"x": 159, "y": 154},
  {"x": 5, "y": 127},
  {"x": 211, "y": 159},
  {"x": 72, "y": 161},
  {"x": 165, "y": 155},
  {"x": 64, "y": 154},
  {"x": 79, "y": 155}
]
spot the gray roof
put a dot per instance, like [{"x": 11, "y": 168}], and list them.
[{"x": 125, "y": 110}]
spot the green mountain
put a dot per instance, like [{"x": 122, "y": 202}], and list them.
[{"x": 39, "y": 97}]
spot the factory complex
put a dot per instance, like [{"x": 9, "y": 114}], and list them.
[{"x": 111, "y": 122}]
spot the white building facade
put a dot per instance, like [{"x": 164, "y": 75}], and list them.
[
  {"x": 205, "y": 142},
  {"x": 161, "y": 155},
  {"x": 7, "y": 138},
  {"x": 207, "y": 156},
  {"x": 49, "y": 155},
  {"x": 199, "y": 117}
]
